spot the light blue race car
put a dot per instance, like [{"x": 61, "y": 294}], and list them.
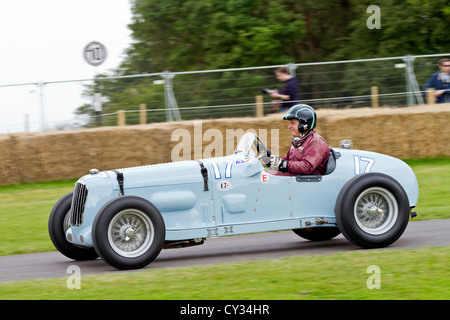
[{"x": 127, "y": 216}]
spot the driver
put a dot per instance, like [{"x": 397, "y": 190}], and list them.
[{"x": 309, "y": 152}]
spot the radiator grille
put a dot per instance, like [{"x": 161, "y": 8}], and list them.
[{"x": 78, "y": 202}]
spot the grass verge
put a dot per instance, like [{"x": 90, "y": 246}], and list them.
[
  {"x": 433, "y": 176},
  {"x": 404, "y": 274},
  {"x": 24, "y": 211}
]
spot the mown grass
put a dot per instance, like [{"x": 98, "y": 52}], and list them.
[
  {"x": 24, "y": 208},
  {"x": 24, "y": 211},
  {"x": 433, "y": 176},
  {"x": 404, "y": 275}
]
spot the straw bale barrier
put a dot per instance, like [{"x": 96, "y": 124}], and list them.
[{"x": 414, "y": 132}]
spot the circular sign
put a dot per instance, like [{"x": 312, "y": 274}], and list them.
[{"x": 94, "y": 53}]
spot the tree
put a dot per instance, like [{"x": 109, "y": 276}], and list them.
[
  {"x": 407, "y": 27},
  {"x": 184, "y": 35},
  {"x": 196, "y": 35}
]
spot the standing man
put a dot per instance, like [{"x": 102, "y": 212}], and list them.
[
  {"x": 440, "y": 81},
  {"x": 288, "y": 95}
]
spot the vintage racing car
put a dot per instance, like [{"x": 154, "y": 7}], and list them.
[{"x": 127, "y": 216}]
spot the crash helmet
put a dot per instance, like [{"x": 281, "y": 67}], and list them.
[{"x": 305, "y": 115}]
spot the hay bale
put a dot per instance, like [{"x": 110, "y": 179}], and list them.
[{"x": 414, "y": 132}]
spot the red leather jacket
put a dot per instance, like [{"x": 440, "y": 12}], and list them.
[{"x": 310, "y": 157}]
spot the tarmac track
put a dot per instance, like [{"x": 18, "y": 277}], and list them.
[{"x": 220, "y": 250}]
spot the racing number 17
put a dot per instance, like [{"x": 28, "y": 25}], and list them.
[
  {"x": 360, "y": 162},
  {"x": 215, "y": 165}
]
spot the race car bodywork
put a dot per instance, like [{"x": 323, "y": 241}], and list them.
[{"x": 128, "y": 215}]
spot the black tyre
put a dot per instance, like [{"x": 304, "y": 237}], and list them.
[
  {"x": 372, "y": 210},
  {"x": 318, "y": 233},
  {"x": 128, "y": 232},
  {"x": 58, "y": 223}
]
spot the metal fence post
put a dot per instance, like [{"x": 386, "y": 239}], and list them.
[
  {"x": 410, "y": 98},
  {"x": 292, "y": 67},
  {"x": 26, "y": 118},
  {"x": 43, "y": 116},
  {"x": 172, "y": 112},
  {"x": 411, "y": 82},
  {"x": 98, "y": 108}
]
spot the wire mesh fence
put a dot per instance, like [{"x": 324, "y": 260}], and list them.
[{"x": 158, "y": 97}]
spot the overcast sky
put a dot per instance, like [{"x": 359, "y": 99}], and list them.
[{"x": 43, "y": 40}]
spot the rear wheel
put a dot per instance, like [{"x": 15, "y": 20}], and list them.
[
  {"x": 372, "y": 210},
  {"x": 128, "y": 232},
  {"x": 58, "y": 224}
]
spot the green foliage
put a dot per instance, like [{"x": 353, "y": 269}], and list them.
[
  {"x": 186, "y": 35},
  {"x": 195, "y": 35},
  {"x": 407, "y": 27}
]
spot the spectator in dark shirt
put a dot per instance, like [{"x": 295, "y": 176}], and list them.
[
  {"x": 440, "y": 82},
  {"x": 288, "y": 95}
]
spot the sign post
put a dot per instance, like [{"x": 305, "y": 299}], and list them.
[{"x": 95, "y": 54}]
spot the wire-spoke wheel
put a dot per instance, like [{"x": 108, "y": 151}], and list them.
[
  {"x": 131, "y": 233},
  {"x": 372, "y": 210},
  {"x": 128, "y": 232},
  {"x": 376, "y": 210}
]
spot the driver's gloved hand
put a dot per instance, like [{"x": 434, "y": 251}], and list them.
[
  {"x": 278, "y": 164},
  {"x": 274, "y": 162},
  {"x": 283, "y": 166}
]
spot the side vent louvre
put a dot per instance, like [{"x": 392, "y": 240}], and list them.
[{"x": 78, "y": 202}]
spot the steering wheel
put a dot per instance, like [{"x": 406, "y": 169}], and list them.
[{"x": 264, "y": 153}]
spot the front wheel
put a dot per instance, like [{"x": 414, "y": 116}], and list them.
[
  {"x": 128, "y": 232},
  {"x": 372, "y": 210},
  {"x": 58, "y": 224}
]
